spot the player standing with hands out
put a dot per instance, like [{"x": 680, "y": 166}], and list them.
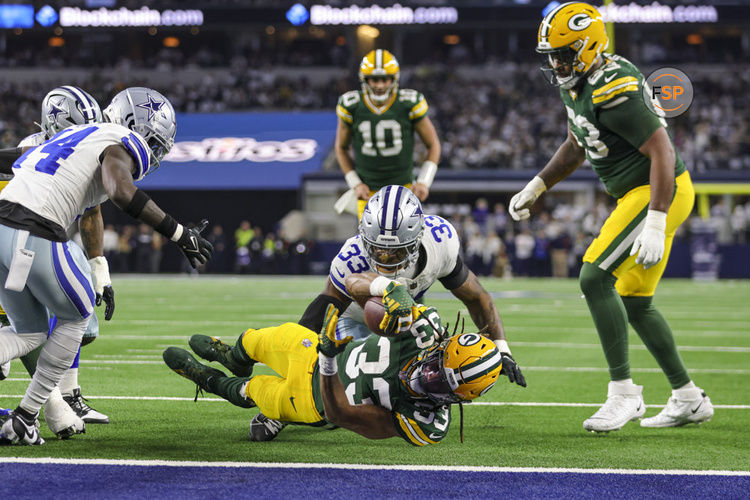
[{"x": 629, "y": 148}]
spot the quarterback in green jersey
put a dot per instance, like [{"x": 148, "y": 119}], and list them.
[
  {"x": 400, "y": 385},
  {"x": 378, "y": 123},
  {"x": 627, "y": 144}
]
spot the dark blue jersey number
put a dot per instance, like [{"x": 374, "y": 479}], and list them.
[{"x": 438, "y": 227}]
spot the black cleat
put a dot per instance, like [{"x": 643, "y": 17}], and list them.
[
  {"x": 18, "y": 429},
  {"x": 213, "y": 349},
  {"x": 183, "y": 363},
  {"x": 263, "y": 428}
]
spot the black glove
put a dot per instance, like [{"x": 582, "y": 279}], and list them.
[
  {"x": 196, "y": 248},
  {"x": 109, "y": 300},
  {"x": 511, "y": 370}
]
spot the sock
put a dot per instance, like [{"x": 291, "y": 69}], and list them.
[
  {"x": 14, "y": 345},
  {"x": 689, "y": 385},
  {"x": 610, "y": 318},
  {"x": 625, "y": 382},
  {"x": 69, "y": 381},
  {"x": 54, "y": 359},
  {"x": 656, "y": 334},
  {"x": 229, "y": 389}
]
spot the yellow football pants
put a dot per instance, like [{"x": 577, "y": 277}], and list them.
[
  {"x": 610, "y": 250},
  {"x": 289, "y": 350},
  {"x": 361, "y": 204}
]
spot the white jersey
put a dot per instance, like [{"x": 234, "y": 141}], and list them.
[
  {"x": 61, "y": 178},
  {"x": 32, "y": 140},
  {"x": 440, "y": 246}
]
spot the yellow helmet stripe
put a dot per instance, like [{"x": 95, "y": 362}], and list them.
[
  {"x": 614, "y": 83},
  {"x": 625, "y": 87},
  {"x": 344, "y": 114}
]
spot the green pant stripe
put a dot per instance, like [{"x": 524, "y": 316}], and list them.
[{"x": 619, "y": 249}]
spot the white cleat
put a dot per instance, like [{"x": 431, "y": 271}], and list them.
[
  {"x": 624, "y": 403},
  {"x": 60, "y": 418},
  {"x": 17, "y": 429},
  {"x": 685, "y": 406}
]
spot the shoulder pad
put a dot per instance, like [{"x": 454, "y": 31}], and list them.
[
  {"x": 614, "y": 82},
  {"x": 441, "y": 241},
  {"x": 415, "y": 101},
  {"x": 346, "y": 104},
  {"x": 32, "y": 140}
]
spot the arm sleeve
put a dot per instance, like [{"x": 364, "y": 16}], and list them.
[
  {"x": 457, "y": 276},
  {"x": 630, "y": 119},
  {"x": 7, "y": 158}
]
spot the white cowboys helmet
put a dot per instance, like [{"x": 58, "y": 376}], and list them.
[
  {"x": 147, "y": 113},
  {"x": 66, "y": 106},
  {"x": 391, "y": 229}
]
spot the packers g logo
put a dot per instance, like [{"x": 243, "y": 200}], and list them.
[
  {"x": 468, "y": 339},
  {"x": 579, "y": 22}
]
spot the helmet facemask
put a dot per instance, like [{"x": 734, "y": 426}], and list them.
[
  {"x": 431, "y": 379},
  {"x": 379, "y": 97},
  {"x": 389, "y": 261}
]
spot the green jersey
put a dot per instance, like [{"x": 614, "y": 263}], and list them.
[
  {"x": 383, "y": 138},
  {"x": 370, "y": 370},
  {"x": 610, "y": 120}
]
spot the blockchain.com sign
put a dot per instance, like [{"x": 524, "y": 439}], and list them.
[
  {"x": 374, "y": 14},
  {"x": 244, "y": 151}
]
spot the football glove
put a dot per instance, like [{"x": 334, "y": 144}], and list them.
[
  {"x": 103, "y": 285},
  {"x": 649, "y": 245},
  {"x": 399, "y": 309},
  {"x": 520, "y": 203},
  {"x": 511, "y": 370},
  {"x": 196, "y": 248},
  {"x": 328, "y": 344}
]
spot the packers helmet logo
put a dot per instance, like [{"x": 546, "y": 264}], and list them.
[
  {"x": 579, "y": 22},
  {"x": 468, "y": 339}
]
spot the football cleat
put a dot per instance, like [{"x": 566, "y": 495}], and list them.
[
  {"x": 61, "y": 419},
  {"x": 263, "y": 428},
  {"x": 624, "y": 403},
  {"x": 685, "y": 406},
  {"x": 4, "y": 370},
  {"x": 213, "y": 349},
  {"x": 18, "y": 429},
  {"x": 79, "y": 405},
  {"x": 184, "y": 364}
]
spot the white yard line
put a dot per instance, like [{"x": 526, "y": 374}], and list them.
[{"x": 447, "y": 468}]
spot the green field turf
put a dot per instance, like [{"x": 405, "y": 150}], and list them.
[{"x": 549, "y": 330}]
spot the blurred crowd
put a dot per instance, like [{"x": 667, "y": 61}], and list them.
[{"x": 513, "y": 120}]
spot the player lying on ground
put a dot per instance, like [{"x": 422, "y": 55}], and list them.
[
  {"x": 379, "y": 386},
  {"x": 396, "y": 241}
]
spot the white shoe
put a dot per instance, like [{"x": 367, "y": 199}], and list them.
[
  {"x": 60, "y": 418},
  {"x": 4, "y": 370},
  {"x": 16, "y": 429},
  {"x": 685, "y": 406},
  {"x": 624, "y": 403}
]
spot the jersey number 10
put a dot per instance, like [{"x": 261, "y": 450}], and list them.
[{"x": 381, "y": 128}]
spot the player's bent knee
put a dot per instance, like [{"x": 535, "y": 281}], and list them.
[{"x": 593, "y": 280}]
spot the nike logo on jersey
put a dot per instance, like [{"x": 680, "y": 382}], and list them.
[
  {"x": 609, "y": 78},
  {"x": 291, "y": 400},
  {"x": 340, "y": 273},
  {"x": 435, "y": 436},
  {"x": 697, "y": 407}
]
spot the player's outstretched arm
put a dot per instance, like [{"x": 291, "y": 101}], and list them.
[
  {"x": 370, "y": 421},
  {"x": 427, "y": 133},
  {"x": 486, "y": 317},
  {"x": 564, "y": 162},
  {"x": 314, "y": 314},
  {"x": 91, "y": 227},
  {"x": 117, "y": 168}
]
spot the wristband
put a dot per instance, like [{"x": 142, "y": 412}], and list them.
[
  {"x": 352, "y": 179},
  {"x": 656, "y": 219},
  {"x": 328, "y": 366},
  {"x": 536, "y": 185},
  {"x": 502, "y": 345},
  {"x": 137, "y": 203},
  {"x": 427, "y": 173},
  {"x": 170, "y": 228},
  {"x": 378, "y": 286}
]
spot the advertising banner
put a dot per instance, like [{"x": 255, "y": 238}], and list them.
[{"x": 244, "y": 151}]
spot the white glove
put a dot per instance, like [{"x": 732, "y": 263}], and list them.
[
  {"x": 649, "y": 245},
  {"x": 100, "y": 273},
  {"x": 520, "y": 203}
]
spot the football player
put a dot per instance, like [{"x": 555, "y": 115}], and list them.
[
  {"x": 64, "y": 107},
  {"x": 396, "y": 241},
  {"x": 42, "y": 271},
  {"x": 628, "y": 146},
  {"x": 379, "y": 121},
  {"x": 378, "y": 387}
]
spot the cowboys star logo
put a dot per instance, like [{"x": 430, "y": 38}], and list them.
[
  {"x": 151, "y": 105},
  {"x": 56, "y": 108}
]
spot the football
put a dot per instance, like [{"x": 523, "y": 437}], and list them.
[{"x": 374, "y": 312}]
